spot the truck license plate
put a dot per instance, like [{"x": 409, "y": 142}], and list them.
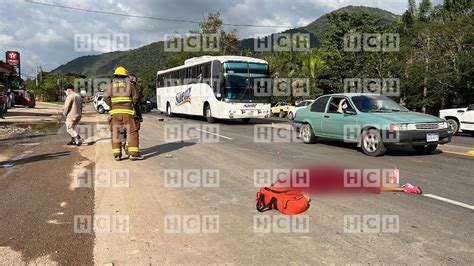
[{"x": 431, "y": 137}]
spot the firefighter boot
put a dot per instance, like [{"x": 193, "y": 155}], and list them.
[
  {"x": 72, "y": 142},
  {"x": 78, "y": 140},
  {"x": 135, "y": 157}
]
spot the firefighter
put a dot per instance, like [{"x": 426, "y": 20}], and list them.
[
  {"x": 121, "y": 96},
  {"x": 138, "y": 112}
]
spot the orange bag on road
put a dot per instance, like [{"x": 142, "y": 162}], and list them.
[{"x": 286, "y": 200}]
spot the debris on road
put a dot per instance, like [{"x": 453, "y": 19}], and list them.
[{"x": 7, "y": 131}]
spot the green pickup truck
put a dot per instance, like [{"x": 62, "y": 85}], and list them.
[{"x": 373, "y": 121}]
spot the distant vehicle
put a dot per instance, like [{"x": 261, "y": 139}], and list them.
[
  {"x": 460, "y": 119},
  {"x": 372, "y": 121},
  {"x": 215, "y": 87},
  {"x": 281, "y": 109},
  {"x": 292, "y": 111},
  {"x": 153, "y": 103},
  {"x": 146, "y": 106},
  {"x": 25, "y": 97},
  {"x": 100, "y": 105}
]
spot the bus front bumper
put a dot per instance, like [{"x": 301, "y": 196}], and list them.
[{"x": 247, "y": 113}]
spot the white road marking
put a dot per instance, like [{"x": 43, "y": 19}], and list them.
[
  {"x": 449, "y": 201},
  {"x": 212, "y": 133},
  {"x": 29, "y": 144}
]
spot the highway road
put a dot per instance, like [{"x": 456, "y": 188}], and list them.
[
  {"x": 142, "y": 215},
  {"x": 177, "y": 224}
]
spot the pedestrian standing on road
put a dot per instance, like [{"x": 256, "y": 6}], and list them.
[
  {"x": 72, "y": 111},
  {"x": 12, "y": 98},
  {"x": 122, "y": 96},
  {"x": 2, "y": 103}
]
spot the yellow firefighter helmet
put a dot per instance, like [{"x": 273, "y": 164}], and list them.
[{"x": 120, "y": 71}]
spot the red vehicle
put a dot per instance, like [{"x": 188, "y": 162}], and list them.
[{"x": 25, "y": 97}]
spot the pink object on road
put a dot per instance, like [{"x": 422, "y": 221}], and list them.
[{"x": 409, "y": 188}]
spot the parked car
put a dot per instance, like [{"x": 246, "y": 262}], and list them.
[
  {"x": 100, "y": 105},
  {"x": 373, "y": 121},
  {"x": 292, "y": 111},
  {"x": 25, "y": 97},
  {"x": 281, "y": 109},
  {"x": 146, "y": 106},
  {"x": 153, "y": 103},
  {"x": 460, "y": 119}
]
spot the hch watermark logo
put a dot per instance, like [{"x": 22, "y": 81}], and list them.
[
  {"x": 88, "y": 224},
  {"x": 297, "y": 87},
  {"x": 370, "y": 178},
  {"x": 89, "y": 131},
  {"x": 384, "y": 86},
  {"x": 371, "y": 42},
  {"x": 192, "y": 43},
  {"x": 371, "y": 224},
  {"x": 101, "y": 42},
  {"x": 283, "y": 42},
  {"x": 191, "y": 224},
  {"x": 188, "y": 178},
  {"x": 105, "y": 178},
  {"x": 191, "y": 133},
  {"x": 284, "y": 177},
  {"x": 357, "y": 132},
  {"x": 280, "y": 224},
  {"x": 270, "y": 134}
]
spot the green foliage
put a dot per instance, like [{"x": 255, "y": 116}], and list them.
[{"x": 435, "y": 63}]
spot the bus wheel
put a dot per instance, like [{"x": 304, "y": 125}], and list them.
[
  {"x": 245, "y": 120},
  {"x": 208, "y": 114},
  {"x": 168, "y": 110}
]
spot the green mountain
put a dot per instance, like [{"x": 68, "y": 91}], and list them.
[
  {"x": 150, "y": 57},
  {"x": 318, "y": 28},
  {"x": 137, "y": 61}
]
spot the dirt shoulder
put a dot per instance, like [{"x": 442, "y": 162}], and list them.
[{"x": 37, "y": 189}]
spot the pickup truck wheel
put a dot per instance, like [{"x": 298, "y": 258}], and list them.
[
  {"x": 282, "y": 114},
  {"x": 454, "y": 125},
  {"x": 307, "y": 134},
  {"x": 426, "y": 149},
  {"x": 101, "y": 109},
  {"x": 372, "y": 143}
]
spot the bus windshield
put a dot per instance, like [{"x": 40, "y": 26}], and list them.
[{"x": 239, "y": 80}]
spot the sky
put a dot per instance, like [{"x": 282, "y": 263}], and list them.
[{"x": 50, "y": 36}]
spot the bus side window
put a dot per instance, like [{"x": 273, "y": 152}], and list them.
[
  {"x": 168, "y": 79},
  {"x": 207, "y": 73},
  {"x": 182, "y": 76}
]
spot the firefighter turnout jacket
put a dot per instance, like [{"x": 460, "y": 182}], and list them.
[{"x": 121, "y": 96}]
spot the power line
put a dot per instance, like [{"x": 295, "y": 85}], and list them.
[{"x": 154, "y": 18}]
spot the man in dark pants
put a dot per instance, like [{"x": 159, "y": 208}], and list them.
[{"x": 2, "y": 103}]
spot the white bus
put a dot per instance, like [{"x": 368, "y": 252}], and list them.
[{"x": 216, "y": 87}]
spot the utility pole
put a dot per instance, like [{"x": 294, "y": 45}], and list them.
[{"x": 36, "y": 78}]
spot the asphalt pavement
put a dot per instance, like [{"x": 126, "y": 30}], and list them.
[
  {"x": 192, "y": 200},
  {"x": 176, "y": 223}
]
